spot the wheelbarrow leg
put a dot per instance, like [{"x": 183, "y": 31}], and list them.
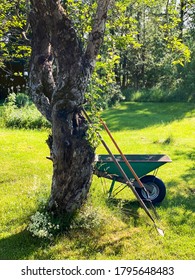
[{"x": 111, "y": 188}]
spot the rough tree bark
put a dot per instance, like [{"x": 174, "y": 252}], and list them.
[{"x": 59, "y": 95}]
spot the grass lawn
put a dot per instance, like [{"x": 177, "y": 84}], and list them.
[{"x": 124, "y": 230}]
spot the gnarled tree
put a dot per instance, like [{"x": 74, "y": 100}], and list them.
[{"x": 60, "y": 70}]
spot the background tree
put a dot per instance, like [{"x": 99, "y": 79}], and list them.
[{"x": 14, "y": 48}]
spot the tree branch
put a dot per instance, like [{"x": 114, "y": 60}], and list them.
[
  {"x": 97, "y": 34},
  {"x": 41, "y": 80},
  {"x": 64, "y": 38}
]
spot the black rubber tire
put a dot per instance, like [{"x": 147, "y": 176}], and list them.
[{"x": 155, "y": 187}]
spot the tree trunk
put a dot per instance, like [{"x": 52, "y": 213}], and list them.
[
  {"x": 182, "y": 13},
  {"x": 60, "y": 96},
  {"x": 72, "y": 162}
]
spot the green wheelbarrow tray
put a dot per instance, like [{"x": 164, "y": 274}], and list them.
[{"x": 142, "y": 164}]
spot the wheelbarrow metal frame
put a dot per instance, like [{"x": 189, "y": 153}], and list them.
[{"x": 141, "y": 163}]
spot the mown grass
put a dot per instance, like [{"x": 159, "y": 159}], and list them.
[{"x": 125, "y": 232}]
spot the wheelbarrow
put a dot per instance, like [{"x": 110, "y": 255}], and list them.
[
  {"x": 142, "y": 164},
  {"x": 115, "y": 167}
]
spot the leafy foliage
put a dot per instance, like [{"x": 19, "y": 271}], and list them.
[
  {"x": 147, "y": 45},
  {"x": 13, "y": 18}
]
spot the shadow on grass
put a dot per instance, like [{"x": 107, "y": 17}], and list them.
[
  {"x": 190, "y": 155},
  {"x": 184, "y": 198},
  {"x": 126, "y": 208},
  {"x": 179, "y": 212},
  {"x": 19, "y": 246},
  {"x": 140, "y": 115}
]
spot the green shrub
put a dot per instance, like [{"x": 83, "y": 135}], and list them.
[
  {"x": 19, "y": 112},
  {"x": 22, "y": 100}
]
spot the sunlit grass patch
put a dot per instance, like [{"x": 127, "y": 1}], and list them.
[{"x": 122, "y": 229}]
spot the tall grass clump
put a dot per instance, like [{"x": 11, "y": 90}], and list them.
[{"x": 20, "y": 112}]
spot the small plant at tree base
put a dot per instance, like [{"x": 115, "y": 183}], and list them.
[
  {"x": 43, "y": 226},
  {"x": 87, "y": 218}
]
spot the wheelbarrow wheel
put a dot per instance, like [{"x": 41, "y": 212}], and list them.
[{"x": 155, "y": 187}]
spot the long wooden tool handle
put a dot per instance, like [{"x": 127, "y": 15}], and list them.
[
  {"x": 130, "y": 168},
  {"x": 124, "y": 157}
]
